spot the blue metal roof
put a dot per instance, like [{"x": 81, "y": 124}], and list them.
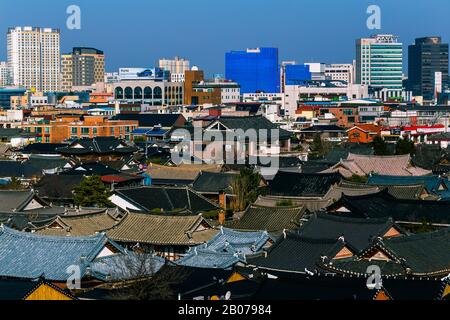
[
  {"x": 204, "y": 258},
  {"x": 149, "y": 132},
  {"x": 30, "y": 256}
]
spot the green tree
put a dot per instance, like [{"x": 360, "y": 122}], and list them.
[
  {"x": 246, "y": 188},
  {"x": 404, "y": 146},
  {"x": 91, "y": 192},
  {"x": 318, "y": 147},
  {"x": 380, "y": 147}
]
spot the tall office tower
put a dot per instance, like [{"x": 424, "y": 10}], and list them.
[
  {"x": 4, "y": 74},
  {"x": 256, "y": 70},
  {"x": 379, "y": 62},
  {"x": 34, "y": 58},
  {"x": 428, "y": 65},
  {"x": 177, "y": 67},
  {"x": 340, "y": 72}
]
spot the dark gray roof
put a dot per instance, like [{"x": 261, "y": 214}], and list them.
[
  {"x": 16, "y": 200},
  {"x": 57, "y": 186},
  {"x": 295, "y": 253},
  {"x": 18, "y": 169},
  {"x": 214, "y": 182},
  {"x": 359, "y": 233},
  {"x": 303, "y": 184},
  {"x": 98, "y": 145}
]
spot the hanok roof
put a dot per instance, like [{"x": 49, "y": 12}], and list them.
[
  {"x": 183, "y": 173},
  {"x": 226, "y": 249},
  {"x": 152, "y": 120},
  {"x": 271, "y": 219},
  {"x": 162, "y": 230},
  {"x": 18, "y": 169},
  {"x": 57, "y": 186},
  {"x": 323, "y": 128},
  {"x": 30, "y": 256},
  {"x": 78, "y": 226},
  {"x": 367, "y": 127},
  {"x": 19, "y": 200},
  {"x": 295, "y": 253},
  {"x": 425, "y": 254},
  {"x": 214, "y": 182},
  {"x": 128, "y": 266},
  {"x": 91, "y": 169},
  {"x": 167, "y": 199},
  {"x": 303, "y": 184},
  {"x": 433, "y": 184},
  {"x": 46, "y": 163},
  {"x": 21, "y": 289},
  {"x": 359, "y": 233},
  {"x": 257, "y": 123},
  {"x": 98, "y": 145},
  {"x": 383, "y": 204},
  {"x": 362, "y": 165},
  {"x": 42, "y": 148}
]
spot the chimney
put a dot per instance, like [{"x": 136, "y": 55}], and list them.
[{"x": 222, "y": 217}]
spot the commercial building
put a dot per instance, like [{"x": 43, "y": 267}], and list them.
[
  {"x": 4, "y": 74},
  {"x": 317, "y": 70},
  {"x": 427, "y": 67},
  {"x": 198, "y": 91},
  {"x": 296, "y": 74},
  {"x": 7, "y": 93},
  {"x": 177, "y": 67},
  {"x": 255, "y": 70},
  {"x": 340, "y": 72},
  {"x": 34, "y": 58},
  {"x": 379, "y": 63},
  {"x": 72, "y": 127},
  {"x": 82, "y": 67},
  {"x": 151, "y": 92}
]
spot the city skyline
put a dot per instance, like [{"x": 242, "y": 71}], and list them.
[{"x": 204, "y": 42}]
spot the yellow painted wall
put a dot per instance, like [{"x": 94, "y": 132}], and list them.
[{"x": 45, "y": 292}]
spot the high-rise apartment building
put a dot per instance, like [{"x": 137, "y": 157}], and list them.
[
  {"x": 256, "y": 70},
  {"x": 379, "y": 62},
  {"x": 34, "y": 58},
  {"x": 177, "y": 67},
  {"x": 4, "y": 74},
  {"x": 427, "y": 67},
  {"x": 83, "y": 67}
]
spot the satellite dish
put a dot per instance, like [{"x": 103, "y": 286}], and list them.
[{"x": 228, "y": 296}]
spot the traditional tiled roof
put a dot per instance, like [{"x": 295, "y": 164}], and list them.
[
  {"x": 362, "y": 165},
  {"x": 182, "y": 173},
  {"x": 42, "y": 148},
  {"x": 17, "y": 169},
  {"x": 424, "y": 254},
  {"x": 91, "y": 169},
  {"x": 46, "y": 163},
  {"x": 128, "y": 266},
  {"x": 311, "y": 204},
  {"x": 433, "y": 184},
  {"x": 17, "y": 200},
  {"x": 359, "y": 233},
  {"x": 97, "y": 145},
  {"x": 57, "y": 186},
  {"x": 385, "y": 205},
  {"x": 214, "y": 182},
  {"x": 253, "y": 123},
  {"x": 295, "y": 253},
  {"x": 167, "y": 199},
  {"x": 30, "y": 256},
  {"x": 271, "y": 219},
  {"x": 303, "y": 184},
  {"x": 78, "y": 226},
  {"x": 21, "y": 289},
  {"x": 162, "y": 230},
  {"x": 226, "y": 249}
]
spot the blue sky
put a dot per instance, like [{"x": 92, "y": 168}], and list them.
[{"x": 138, "y": 32}]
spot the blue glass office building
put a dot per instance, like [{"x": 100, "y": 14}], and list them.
[
  {"x": 254, "y": 69},
  {"x": 7, "y": 93},
  {"x": 297, "y": 74}
]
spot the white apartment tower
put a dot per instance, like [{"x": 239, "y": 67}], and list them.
[
  {"x": 340, "y": 72},
  {"x": 34, "y": 58},
  {"x": 177, "y": 67}
]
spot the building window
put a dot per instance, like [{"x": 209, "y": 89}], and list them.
[
  {"x": 112, "y": 131},
  {"x": 128, "y": 93},
  {"x": 94, "y": 131},
  {"x": 85, "y": 131}
]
